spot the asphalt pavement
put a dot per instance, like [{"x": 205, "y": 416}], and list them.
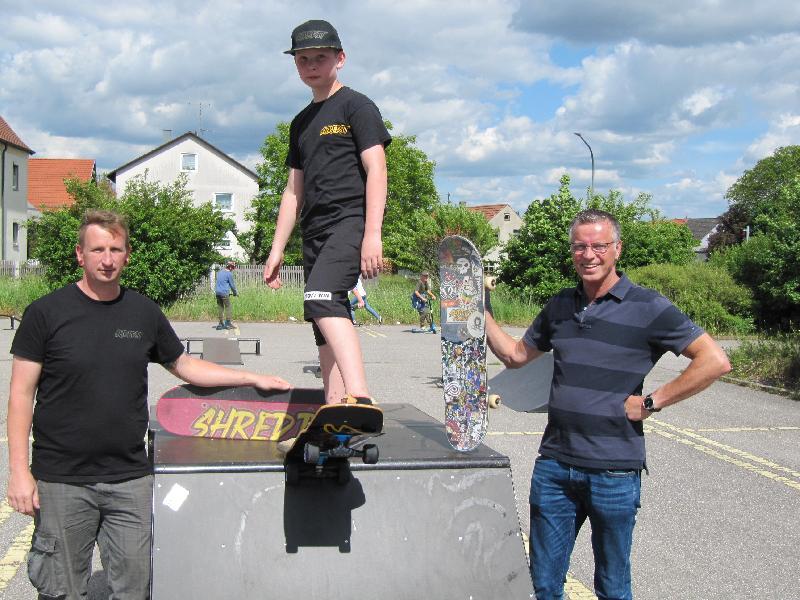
[{"x": 720, "y": 505}]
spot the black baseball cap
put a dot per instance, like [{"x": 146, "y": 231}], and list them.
[{"x": 314, "y": 34}]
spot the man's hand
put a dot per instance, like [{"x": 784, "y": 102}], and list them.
[
  {"x": 371, "y": 256},
  {"x": 271, "y": 382},
  {"x": 23, "y": 494},
  {"x": 634, "y": 408},
  {"x": 272, "y": 270}
]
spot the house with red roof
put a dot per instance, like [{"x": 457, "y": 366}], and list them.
[
  {"x": 505, "y": 221},
  {"x": 47, "y": 177},
  {"x": 14, "y": 154}
]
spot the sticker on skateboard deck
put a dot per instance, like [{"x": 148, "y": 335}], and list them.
[
  {"x": 463, "y": 332},
  {"x": 237, "y": 413},
  {"x": 336, "y": 433}
]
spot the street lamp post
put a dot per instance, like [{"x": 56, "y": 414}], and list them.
[{"x": 591, "y": 189}]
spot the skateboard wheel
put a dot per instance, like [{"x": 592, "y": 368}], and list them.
[
  {"x": 494, "y": 401},
  {"x": 311, "y": 454},
  {"x": 292, "y": 474},
  {"x": 371, "y": 454},
  {"x": 490, "y": 282}
]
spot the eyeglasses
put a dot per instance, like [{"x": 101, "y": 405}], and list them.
[{"x": 597, "y": 248}]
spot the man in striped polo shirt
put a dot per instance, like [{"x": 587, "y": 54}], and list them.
[{"x": 606, "y": 335}]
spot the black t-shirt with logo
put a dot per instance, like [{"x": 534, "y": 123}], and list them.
[
  {"x": 325, "y": 142},
  {"x": 91, "y": 413}
]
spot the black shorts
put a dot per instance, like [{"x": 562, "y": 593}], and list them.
[{"x": 331, "y": 263}]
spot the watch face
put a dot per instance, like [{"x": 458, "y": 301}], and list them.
[{"x": 648, "y": 403}]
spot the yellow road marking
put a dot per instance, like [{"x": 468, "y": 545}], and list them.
[
  {"x": 515, "y": 433},
  {"x": 9, "y": 564},
  {"x": 742, "y": 429},
  {"x": 749, "y": 466},
  {"x": 746, "y": 455},
  {"x": 5, "y": 511},
  {"x": 575, "y": 590},
  {"x": 372, "y": 332}
]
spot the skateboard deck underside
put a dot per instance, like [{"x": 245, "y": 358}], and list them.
[
  {"x": 241, "y": 413},
  {"x": 463, "y": 343},
  {"x": 358, "y": 421}
]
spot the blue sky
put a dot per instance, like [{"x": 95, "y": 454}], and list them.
[{"x": 677, "y": 98}]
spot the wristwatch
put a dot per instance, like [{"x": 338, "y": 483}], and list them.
[{"x": 647, "y": 404}]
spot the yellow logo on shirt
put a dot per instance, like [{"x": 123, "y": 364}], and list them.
[{"x": 336, "y": 129}]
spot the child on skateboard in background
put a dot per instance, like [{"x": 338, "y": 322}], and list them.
[
  {"x": 337, "y": 188},
  {"x": 423, "y": 293}
]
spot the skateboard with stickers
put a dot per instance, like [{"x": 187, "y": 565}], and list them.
[
  {"x": 336, "y": 433},
  {"x": 462, "y": 307},
  {"x": 237, "y": 413}
]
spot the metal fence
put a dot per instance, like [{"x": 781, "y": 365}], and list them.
[
  {"x": 17, "y": 269},
  {"x": 253, "y": 276}
]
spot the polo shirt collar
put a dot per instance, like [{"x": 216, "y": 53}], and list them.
[{"x": 618, "y": 291}]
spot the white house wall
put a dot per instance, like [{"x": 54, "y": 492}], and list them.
[
  {"x": 16, "y": 205},
  {"x": 215, "y": 174}
]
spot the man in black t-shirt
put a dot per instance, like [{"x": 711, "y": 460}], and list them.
[
  {"x": 82, "y": 351},
  {"x": 337, "y": 188}
]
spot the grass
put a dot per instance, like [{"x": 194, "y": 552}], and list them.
[
  {"x": 390, "y": 296},
  {"x": 771, "y": 361}
]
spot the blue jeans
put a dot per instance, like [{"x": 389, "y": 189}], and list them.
[
  {"x": 561, "y": 499},
  {"x": 354, "y": 304}
]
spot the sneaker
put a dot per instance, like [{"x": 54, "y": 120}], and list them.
[
  {"x": 380, "y": 320},
  {"x": 229, "y": 325},
  {"x": 220, "y": 326},
  {"x": 432, "y": 330}
]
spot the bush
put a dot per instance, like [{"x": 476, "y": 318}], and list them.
[
  {"x": 172, "y": 241},
  {"x": 706, "y": 293}
]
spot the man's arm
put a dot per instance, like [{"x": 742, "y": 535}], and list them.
[
  {"x": 512, "y": 353},
  {"x": 288, "y": 213},
  {"x": 359, "y": 298},
  {"x": 207, "y": 374},
  {"x": 374, "y": 161},
  {"x": 709, "y": 363},
  {"x": 23, "y": 495}
]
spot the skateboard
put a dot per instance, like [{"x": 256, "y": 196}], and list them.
[
  {"x": 237, "y": 413},
  {"x": 463, "y": 333},
  {"x": 526, "y": 389},
  {"x": 336, "y": 433}
]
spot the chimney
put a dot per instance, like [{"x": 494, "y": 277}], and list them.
[{"x": 166, "y": 135}]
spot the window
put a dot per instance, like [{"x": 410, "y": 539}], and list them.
[
  {"x": 224, "y": 242},
  {"x": 188, "y": 162},
  {"x": 15, "y": 177},
  {"x": 506, "y": 216},
  {"x": 15, "y": 234},
  {"x": 223, "y": 201}
]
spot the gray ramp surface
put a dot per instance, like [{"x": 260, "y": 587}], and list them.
[{"x": 426, "y": 521}]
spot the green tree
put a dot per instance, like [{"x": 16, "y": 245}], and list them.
[
  {"x": 753, "y": 193},
  {"x": 173, "y": 241},
  {"x": 411, "y": 196},
  {"x": 427, "y": 230},
  {"x": 768, "y": 264},
  {"x": 539, "y": 262},
  {"x": 272, "y": 176}
]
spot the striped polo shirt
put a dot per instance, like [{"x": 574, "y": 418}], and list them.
[{"x": 602, "y": 351}]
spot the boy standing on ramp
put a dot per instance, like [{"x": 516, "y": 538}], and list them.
[{"x": 337, "y": 188}]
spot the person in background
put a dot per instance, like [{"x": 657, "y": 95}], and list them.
[{"x": 225, "y": 287}]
